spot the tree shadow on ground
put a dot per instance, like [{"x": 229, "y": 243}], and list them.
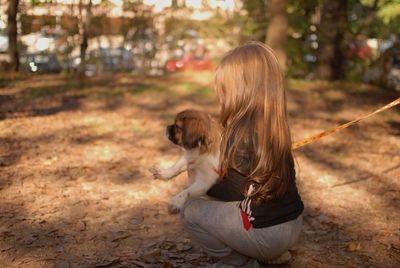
[
  {"x": 336, "y": 94},
  {"x": 75, "y": 236},
  {"x": 68, "y": 103},
  {"x": 326, "y": 157},
  {"x": 132, "y": 237},
  {"x": 394, "y": 127},
  {"x": 79, "y": 230},
  {"x": 119, "y": 171},
  {"x": 49, "y": 95}
]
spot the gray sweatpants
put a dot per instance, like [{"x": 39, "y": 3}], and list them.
[{"x": 218, "y": 228}]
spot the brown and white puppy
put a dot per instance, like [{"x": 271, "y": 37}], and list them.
[{"x": 199, "y": 137}]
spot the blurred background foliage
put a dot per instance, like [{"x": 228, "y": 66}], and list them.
[{"x": 353, "y": 40}]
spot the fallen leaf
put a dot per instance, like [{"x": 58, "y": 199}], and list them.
[
  {"x": 107, "y": 262},
  {"x": 152, "y": 242},
  {"x": 81, "y": 226},
  {"x": 136, "y": 220},
  {"x": 78, "y": 213},
  {"x": 174, "y": 256},
  {"x": 61, "y": 264},
  {"x": 115, "y": 236},
  {"x": 168, "y": 265},
  {"x": 151, "y": 256},
  {"x": 30, "y": 238},
  {"x": 60, "y": 248},
  {"x": 141, "y": 264},
  {"x": 183, "y": 247},
  {"x": 354, "y": 246},
  {"x": 193, "y": 256}
]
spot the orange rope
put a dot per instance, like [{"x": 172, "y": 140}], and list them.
[{"x": 334, "y": 129}]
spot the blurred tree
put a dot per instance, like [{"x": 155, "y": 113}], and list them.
[
  {"x": 256, "y": 20},
  {"x": 277, "y": 29},
  {"x": 141, "y": 34},
  {"x": 330, "y": 56},
  {"x": 374, "y": 18},
  {"x": 85, "y": 14},
  {"x": 362, "y": 15},
  {"x": 12, "y": 12},
  {"x": 303, "y": 15},
  {"x": 390, "y": 15}
]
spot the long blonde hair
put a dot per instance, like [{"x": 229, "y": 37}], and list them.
[{"x": 256, "y": 139}]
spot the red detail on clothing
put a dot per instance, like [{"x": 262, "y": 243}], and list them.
[{"x": 246, "y": 222}]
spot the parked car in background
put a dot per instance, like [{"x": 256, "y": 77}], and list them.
[
  {"x": 105, "y": 60},
  {"x": 190, "y": 61},
  {"x": 3, "y": 43},
  {"x": 40, "y": 63},
  {"x": 385, "y": 71},
  {"x": 393, "y": 79}
]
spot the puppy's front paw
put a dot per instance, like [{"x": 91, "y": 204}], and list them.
[
  {"x": 172, "y": 209},
  {"x": 158, "y": 173},
  {"x": 176, "y": 203}
]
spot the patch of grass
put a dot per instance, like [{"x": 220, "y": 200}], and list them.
[
  {"x": 189, "y": 86},
  {"x": 344, "y": 86},
  {"x": 168, "y": 117},
  {"x": 101, "y": 129},
  {"x": 101, "y": 93},
  {"x": 140, "y": 88},
  {"x": 204, "y": 91}
]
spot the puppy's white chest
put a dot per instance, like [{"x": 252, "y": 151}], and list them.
[{"x": 201, "y": 167}]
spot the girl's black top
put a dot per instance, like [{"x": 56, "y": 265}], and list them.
[{"x": 271, "y": 212}]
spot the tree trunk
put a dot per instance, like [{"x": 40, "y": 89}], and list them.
[
  {"x": 84, "y": 22},
  {"x": 330, "y": 56},
  {"x": 12, "y": 35},
  {"x": 277, "y": 29}
]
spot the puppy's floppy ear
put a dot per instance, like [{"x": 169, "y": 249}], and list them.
[{"x": 194, "y": 132}]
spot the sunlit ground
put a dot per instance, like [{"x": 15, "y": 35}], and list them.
[{"x": 74, "y": 186}]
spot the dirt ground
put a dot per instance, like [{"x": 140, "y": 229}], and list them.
[{"x": 75, "y": 191}]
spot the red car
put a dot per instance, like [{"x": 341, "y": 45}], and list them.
[{"x": 189, "y": 62}]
